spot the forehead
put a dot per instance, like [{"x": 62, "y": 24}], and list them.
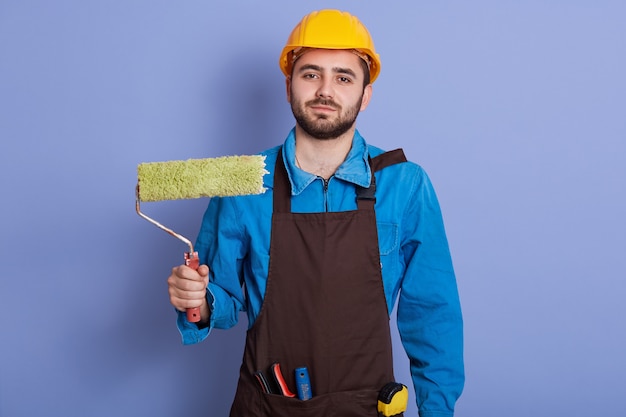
[{"x": 330, "y": 59}]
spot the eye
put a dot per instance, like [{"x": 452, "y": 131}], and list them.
[
  {"x": 344, "y": 79},
  {"x": 310, "y": 76}
]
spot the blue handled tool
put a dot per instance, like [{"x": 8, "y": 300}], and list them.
[{"x": 303, "y": 383}]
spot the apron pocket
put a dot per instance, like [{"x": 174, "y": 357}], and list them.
[{"x": 362, "y": 403}]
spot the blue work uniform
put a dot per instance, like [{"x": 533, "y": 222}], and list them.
[{"x": 417, "y": 271}]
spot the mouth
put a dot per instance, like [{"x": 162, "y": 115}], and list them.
[
  {"x": 322, "y": 109},
  {"x": 323, "y": 106}
]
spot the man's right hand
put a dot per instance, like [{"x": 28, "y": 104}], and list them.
[{"x": 187, "y": 289}]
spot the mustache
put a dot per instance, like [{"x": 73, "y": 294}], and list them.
[{"x": 323, "y": 102}]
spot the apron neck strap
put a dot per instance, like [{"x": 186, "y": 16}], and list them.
[
  {"x": 282, "y": 188},
  {"x": 366, "y": 197}
]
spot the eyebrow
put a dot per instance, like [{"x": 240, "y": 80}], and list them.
[{"x": 336, "y": 70}]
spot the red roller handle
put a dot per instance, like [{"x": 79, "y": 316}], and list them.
[{"x": 192, "y": 261}]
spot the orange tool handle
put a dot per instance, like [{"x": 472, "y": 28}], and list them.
[
  {"x": 280, "y": 381},
  {"x": 192, "y": 261}
]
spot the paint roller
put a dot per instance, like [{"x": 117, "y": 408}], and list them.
[{"x": 195, "y": 178}]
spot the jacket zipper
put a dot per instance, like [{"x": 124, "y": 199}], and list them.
[{"x": 325, "y": 181}]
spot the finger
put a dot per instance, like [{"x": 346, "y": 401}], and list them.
[
  {"x": 182, "y": 304},
  {"x": 203, "y": 270},
  {"x": 177, "y": 283},
  {"x": 186, "y": 299},
  {"x": 187, "y": 273},
  {"x": 187, "y": 294}
]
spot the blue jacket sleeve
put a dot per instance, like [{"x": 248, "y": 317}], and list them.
[
  {"x": 221, "y": 245},
  {"x": 429, "y": 312}
]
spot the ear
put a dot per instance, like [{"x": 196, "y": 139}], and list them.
[
  {"x": 367, "y": 96},
  {"x": 288, "y": 86}
]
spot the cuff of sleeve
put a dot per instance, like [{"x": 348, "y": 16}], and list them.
[
  {"x": 190, "y": 332},
  {"x": 436, "y": 414}
]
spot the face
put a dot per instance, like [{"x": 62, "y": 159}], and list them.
[{"x": 326, "y": 92}]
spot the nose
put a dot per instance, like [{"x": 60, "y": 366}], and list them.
[{"x": 325, "y": 89}]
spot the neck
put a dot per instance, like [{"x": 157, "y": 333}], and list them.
[{"x": 322, "y": 157}]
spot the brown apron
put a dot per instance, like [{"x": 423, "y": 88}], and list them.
[{"x": 324, "y": 308}]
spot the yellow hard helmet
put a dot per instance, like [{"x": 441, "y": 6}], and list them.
[{"x": 330, "y": 29}]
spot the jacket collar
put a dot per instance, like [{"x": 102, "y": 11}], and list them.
[{"x": 355, "y": 169}]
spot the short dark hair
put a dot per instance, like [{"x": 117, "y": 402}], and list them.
[{"x": 366, "y": 72}]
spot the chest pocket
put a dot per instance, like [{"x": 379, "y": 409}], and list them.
[
  {"x": 387, "y": 238},
  {"x": 389, "y": 242}
]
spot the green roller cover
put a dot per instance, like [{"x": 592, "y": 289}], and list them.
[{"x": 195, "y": 178}]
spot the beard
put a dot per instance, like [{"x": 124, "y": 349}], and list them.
[{"x": 321, "y": 126}]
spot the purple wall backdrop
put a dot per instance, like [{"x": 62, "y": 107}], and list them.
[{"x": 516, "y": 109}]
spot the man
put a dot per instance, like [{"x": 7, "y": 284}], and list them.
[{"x": 318, "y": 261}]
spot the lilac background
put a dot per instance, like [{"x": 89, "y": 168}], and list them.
[{"x": 516, "y": 109}]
